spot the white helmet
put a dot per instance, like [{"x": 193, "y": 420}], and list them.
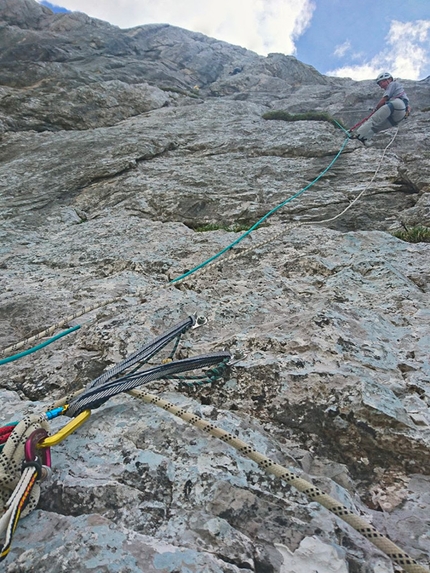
[{"x": 383, "y": 76}]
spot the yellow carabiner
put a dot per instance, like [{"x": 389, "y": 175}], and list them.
[{"x": 65, "y": 431}]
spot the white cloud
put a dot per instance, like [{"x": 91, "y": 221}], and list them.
[
  {"x": 362, "y": 72},
  {"x": 260, "y": 25},
  {"x": 411, "y": 47},
  {"x": 342, "y": 49},
  {"x": 407, "y": 54},
  {"x": 357, "y": 56}
]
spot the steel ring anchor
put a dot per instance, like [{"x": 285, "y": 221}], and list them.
[{"x": 41, "y": 461}]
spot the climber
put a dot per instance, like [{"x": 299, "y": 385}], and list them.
[{"x": 391, "y": 109}]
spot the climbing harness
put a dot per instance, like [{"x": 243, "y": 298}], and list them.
[
  {"x": 392, "y": 110},
  {"x": 389, "y": 118}
]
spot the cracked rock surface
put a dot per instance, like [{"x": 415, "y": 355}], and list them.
[{"x": 129, "y": 157}]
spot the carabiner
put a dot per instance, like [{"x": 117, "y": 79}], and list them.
[
  {"x": 42, "y": 463},
  {"x": 199, "y": 321},
  {"x": 65, "y": 431},
  {"x": 31, "y": 445}
]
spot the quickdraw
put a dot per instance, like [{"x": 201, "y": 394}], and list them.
[{"x": 25, "y": 457}]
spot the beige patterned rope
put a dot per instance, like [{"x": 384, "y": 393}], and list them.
[
  {"x": 57, "y": 325},
  {"x": 395, "y": 553},
  {"x": 313, "y": 493},
  {"x": 12, "y": 457}
]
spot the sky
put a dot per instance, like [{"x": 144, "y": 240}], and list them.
[{"x": 346, "y": 38}]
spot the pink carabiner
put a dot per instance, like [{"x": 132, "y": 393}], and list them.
[{"x": 31, "y": 444}]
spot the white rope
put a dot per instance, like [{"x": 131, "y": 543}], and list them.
[
  {"x": 291, "y": 226},
  {"x": 14, "y": 481},
  {"x": 360, "y": 195}
]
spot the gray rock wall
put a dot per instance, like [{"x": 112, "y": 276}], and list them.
[{"x": 116, "y": 145}]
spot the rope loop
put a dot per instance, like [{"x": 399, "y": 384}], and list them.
[{"x": 19, "y": 487}]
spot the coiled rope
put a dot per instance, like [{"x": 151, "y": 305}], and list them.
[{"x": 19, "y": 487}]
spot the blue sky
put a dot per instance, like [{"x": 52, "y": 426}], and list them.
[{"x": 349, "y": 38}]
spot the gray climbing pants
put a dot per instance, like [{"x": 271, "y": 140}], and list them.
[{"x": 380, "y": 120}]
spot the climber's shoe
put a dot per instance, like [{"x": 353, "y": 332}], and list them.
[{"x": 364, "y": 141}]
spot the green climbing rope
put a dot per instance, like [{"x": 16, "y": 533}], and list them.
[
  {"x": 39, "y": 346},
  {"x": 258, "y": 223},
  {"x": 208, "y": 261}
]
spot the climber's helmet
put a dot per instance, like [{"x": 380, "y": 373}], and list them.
[{"x": 384, "y": 76}]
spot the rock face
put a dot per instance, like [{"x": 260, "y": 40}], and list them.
[{"x": 117, "y": 147}]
